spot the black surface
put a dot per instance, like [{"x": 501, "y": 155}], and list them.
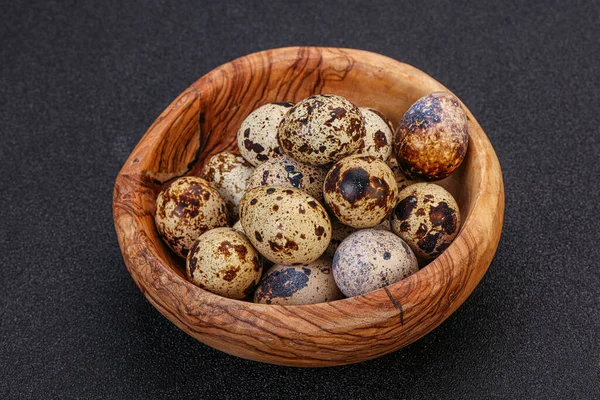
[{"x": 80, "y": 84}]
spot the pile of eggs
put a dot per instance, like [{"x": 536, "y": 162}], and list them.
[{"x": 328, "y": 196}]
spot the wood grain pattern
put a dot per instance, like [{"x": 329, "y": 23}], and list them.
[{"x": 204, "y": 120}]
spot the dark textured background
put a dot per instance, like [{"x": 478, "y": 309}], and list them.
[{"x": 80, "y": 83}]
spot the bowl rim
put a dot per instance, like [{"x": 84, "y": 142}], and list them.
[{"x": 388, "y": 302}]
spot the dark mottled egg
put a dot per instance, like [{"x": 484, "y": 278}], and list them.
[
  {"x": 224, "y": 262},
  {"x": 360, "y": 191},
  {"x": 427, "y": 218},
  {"x": 286, "y": 225},
  {"x": 432, "y": 138},
  {"x": 321, "y": 129},
  {"x": 300, "y": 284},
  {"x": 185, "y": 209},
  {"x": 287, "y": 172},
  {"x": 339, "y": 232},
  {"x": 228, "y": 174},
  {"x": 370, "y": 259},
  {"x": 257, "y": 136},
  {"x": 379, "y": 134}
]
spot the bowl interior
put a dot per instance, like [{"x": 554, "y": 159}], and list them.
[{"x": 214, "y": 109}]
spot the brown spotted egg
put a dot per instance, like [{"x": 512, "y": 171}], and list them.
[
  {"x": 185, "y": 209},
  {"x": 321, "y": 129},
  {"x": 339, "y": 232},
  {"x": 370, "y": 259},
  {"x": 427, "y": 218},
  {"x": 300, "y": 284},
  {"x": 257, "y": 136},
  {"x": 379, "y": 134},
  {"x": 432, "y": 138},
  {"x": 228, "y": 174},
  {"x": 285, "y": 225},
  {"x": 287, "y": 172},
  {"x": 224, "y": 262},
  {"x": 360, "y": 191}
]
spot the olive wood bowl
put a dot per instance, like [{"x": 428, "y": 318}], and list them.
[{"x": 204, "y": 120}]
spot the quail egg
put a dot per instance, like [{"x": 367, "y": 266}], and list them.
[
  {"x": 287, "y": 172},
  {"x": 360, "y": 191},
  {"x": 379, "y": 134},
  {"x": 257, "y": 136},
  {"x": 228, "y": 174},
  {"x": 301, "y": 284},
  {"x": 401, "y": 180},
  {"x": 370, "y": 259},
  {"x": 321, "y": 129},
  {"x": 287, "y": 226},
  {"x": 238, "y": 226},
  {"x": 339, "y": 232},
  {"x": 427, "y": 218},
  {"x": 432, "y": 138},
  {"x": 224, "y": 262},
  {"x": 386, "y": 225},
  {"x": 185, "y": 209}
]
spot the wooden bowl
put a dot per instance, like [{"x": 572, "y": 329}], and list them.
[{"x": 204, "y": 120}]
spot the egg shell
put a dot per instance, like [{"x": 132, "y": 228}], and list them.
[
  {"x": 379, "y": 135},
  {"x": 185, "y": 209},
  {"x": 238, "y": 226},
  {"x": 339, "y": 232},
  {"x": 228, "y": 173},
  {"x": 285, "y": 225},
  {"x": 360, "y": 191},
  {"x": 401, "y": 180},
  {"x": 427, "y": 218},
  {"x": 286, "y": 172},
  {"x": 432, "y": 138},
  {"x": 301, "y": 284},
  {"x": 370, "y": 259},
  {"x": 321, "y": 129},
  {"x": 224, "y": 262},
  {"x": 257, "y": 136},
  {"x": 386, "y": 225}
]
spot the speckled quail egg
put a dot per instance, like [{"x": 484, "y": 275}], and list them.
[
  {"x": 339, "y": 232},
  {"x": 301, "y": 284},
  {"x": 427, "y": 218},
  {"x": 432, "y": 138},
  {"x": 370, "y": 259},
  {"x": 360, "y": 191},
  {"x": 257, "y": 136},
  {"x": 287, "y": 172},
  {"x": 228, "y": 174},
  {"x": 321, "y": 129},
  {"x": 185, "y": 209},
  {"x": 224, "y": 262},
  {"x": 379, "y": 134},
  {"x": 401, "y": 180},
  {"x": 286, "y": 225}
]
